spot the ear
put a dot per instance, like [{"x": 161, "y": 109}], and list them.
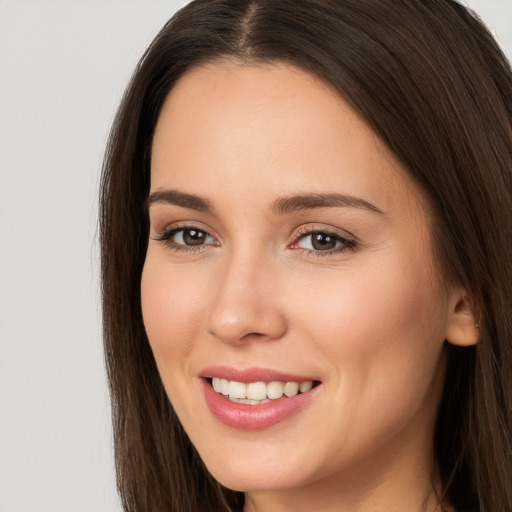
[{"x": 462, "y": 329}]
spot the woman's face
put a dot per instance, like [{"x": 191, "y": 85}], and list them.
[{"x": 287, "y": 245}]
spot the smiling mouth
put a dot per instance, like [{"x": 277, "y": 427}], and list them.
[{"x": 256, "y": 393}]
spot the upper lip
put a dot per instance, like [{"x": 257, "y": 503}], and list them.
[{"x": 252, "y": 374}]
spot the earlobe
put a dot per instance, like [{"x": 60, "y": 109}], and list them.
[{"x": 462, "y": 329}]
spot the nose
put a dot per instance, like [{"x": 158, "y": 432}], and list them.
[{"x": 246, "y": 304}]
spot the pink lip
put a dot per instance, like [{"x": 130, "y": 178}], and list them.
[
  {"x": 254, "y": 374},
  {"x": 253, "y": 417}
]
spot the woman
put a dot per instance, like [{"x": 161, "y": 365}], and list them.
[{"x": 307, "y": 272}]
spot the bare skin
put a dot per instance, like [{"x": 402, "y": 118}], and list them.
[{"x": 343, "y": 290}]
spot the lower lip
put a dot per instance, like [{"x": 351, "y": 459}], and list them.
[{"x": 253, "y": 417}]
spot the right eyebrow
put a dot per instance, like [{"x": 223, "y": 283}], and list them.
[{"x": 177, "y": 198}]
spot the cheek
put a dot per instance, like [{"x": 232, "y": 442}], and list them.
[
  {"x": 387, "y": 309},
  {"x": 171, "y": 312},
  {"x": 379, "y": 335},
  {"x": 370, "y": 306},
  {"x": 381, "y": 330}
]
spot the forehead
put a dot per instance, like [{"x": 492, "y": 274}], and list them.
[{"x": 274, "y": 128}]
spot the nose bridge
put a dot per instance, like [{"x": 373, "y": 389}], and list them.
[{"x": 245, "y": 303}]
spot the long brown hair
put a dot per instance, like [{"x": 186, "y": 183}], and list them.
[{"x": 433, "y": 84}]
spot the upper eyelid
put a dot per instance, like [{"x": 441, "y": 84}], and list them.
[
  {"x": 308, "y": 229},
  {"x": 298, "y": 232},
  {"x": 176, "y": 226}
]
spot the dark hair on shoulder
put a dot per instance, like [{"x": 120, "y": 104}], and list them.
[{"x": 434, "y": 86}]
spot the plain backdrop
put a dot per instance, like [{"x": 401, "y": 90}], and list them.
[{"x": 63, "y": 67}]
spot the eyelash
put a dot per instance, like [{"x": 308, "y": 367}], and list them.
[
  {"x": 165, "y": 236},
  {"x": 346, "y": 244}
]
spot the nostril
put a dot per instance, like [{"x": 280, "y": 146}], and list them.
[{"x": 253, "y": 335}]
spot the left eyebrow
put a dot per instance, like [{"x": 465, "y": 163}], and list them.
[{"x": 300, "y": 202}]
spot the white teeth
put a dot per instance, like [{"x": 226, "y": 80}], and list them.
[
  {"x": 237, "y": 389},
  {"x": 216, "y": 384},
  {"x": 257, "y": 390},
  {"x": 291, "y": 389},
  {"x": 305, "y": 386},
  {"x": 224, "y": 386},
  {"x": 255, "y": 393},
  {"x": 274, "y": 390}
]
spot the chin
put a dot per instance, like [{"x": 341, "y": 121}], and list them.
[
  {"x": 260, "y": 471},
  {"x": 252, "y": 481}
]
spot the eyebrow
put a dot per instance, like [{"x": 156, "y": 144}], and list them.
[
  {"x": 310, "y": 201},
  {"x": 177, "y": 198},
  {"x": 282, "y": 205}
]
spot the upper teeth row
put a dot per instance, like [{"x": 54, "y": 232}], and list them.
[{"x": 259, "y": 390}]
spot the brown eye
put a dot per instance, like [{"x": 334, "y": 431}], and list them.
[
  {"x": 324, "y": 242},
  {"x": 319, "y": 241},
  {"x": 192, "y": 236},
  {"x": 183, "y": 238}
]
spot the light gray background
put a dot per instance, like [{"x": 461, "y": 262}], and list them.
[{"x": 63, "y": 67}]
